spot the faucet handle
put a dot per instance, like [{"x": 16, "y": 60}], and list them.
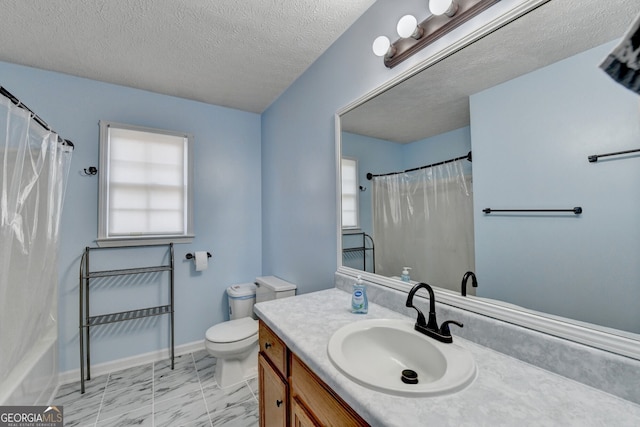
[{"x": 444, "y": 328}]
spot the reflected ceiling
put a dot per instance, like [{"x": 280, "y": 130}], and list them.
[{"x": 437, "y": 100}]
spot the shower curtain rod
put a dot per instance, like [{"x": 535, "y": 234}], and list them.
[
  {"x": 35, "y": 117},
  {"x": 467, "y": 157}
]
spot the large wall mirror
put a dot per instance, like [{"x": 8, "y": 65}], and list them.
[{"x": 528, "y": 99}]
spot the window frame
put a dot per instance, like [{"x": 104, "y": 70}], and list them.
[
  {"x": 356, "y": 194},
  {"x": 104, "y": 239}
]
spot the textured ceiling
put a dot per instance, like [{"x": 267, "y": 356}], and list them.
[
  {"x": 238, "y": 54},
  {"x": 437, "y": 99}
]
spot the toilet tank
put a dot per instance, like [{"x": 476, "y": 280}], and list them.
[
  {"x": 272, "y": 287},
  {"x": 241, "y": 299}
]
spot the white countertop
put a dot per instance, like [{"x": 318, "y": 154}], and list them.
[{"x": 506, "y": 392}]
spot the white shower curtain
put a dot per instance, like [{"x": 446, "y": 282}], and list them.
[
  {"x": 424, "y": 220},
  {"x": 34, "y": 171}
]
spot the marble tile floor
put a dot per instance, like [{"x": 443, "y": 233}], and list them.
[{"x": 154, "y": 395}]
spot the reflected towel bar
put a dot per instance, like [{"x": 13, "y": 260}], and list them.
[
  {"x": 594, "y": 158},
  {"x": 577, "y": 210}
]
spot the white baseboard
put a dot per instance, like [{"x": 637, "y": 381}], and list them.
[{"x": 73, "y": 375}]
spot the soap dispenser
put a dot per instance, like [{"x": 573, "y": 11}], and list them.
[
  {"x": 405, "y": 274},
  {"x": 359, "y": 301}
]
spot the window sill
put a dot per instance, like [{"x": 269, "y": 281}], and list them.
[
  {"x": 351, "y": 230},
  {"x": 142, "y": 241}
]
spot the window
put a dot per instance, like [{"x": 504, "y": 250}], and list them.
[
  {"x": 146, "y": 186},
  {"x": 349, "y": 174}
]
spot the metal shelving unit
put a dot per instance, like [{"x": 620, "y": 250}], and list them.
[
  {"x": 87, "y": 321},
  {"x": 361, "y": 249}
]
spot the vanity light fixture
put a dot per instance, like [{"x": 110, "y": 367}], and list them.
[
  {"x": 382, "y": 47},
  {"x": 408, "y": 27},
  {"x": 445, "y": 16},
  {"x": 443, "y": 7}
]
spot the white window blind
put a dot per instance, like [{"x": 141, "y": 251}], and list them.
[
  {"x": 146, "y": 185},
  {"x": 349, "y": 174}
]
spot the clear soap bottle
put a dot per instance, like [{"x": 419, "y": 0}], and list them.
[
  {"x": 359, "y": 301},
  {"x": 405, "y": 275}
]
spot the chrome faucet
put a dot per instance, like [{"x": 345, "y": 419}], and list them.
[
  {"x": 465, "y": 278},
  {"x": 430, "y": 328}
]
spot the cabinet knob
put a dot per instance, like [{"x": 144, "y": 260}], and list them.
[
  {"x": 267, "y": 345},
  {"x": 278, "y": 403}
]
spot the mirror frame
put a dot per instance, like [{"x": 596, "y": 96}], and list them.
[{"x": 618, "y": 342}]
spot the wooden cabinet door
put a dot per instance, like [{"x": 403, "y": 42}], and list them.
[
  {"x": 273, "y": 395},
  {"x": 300, "y": 417},
  {"x": 273, "y": 348},
  {"x": 322, "y": 403}
]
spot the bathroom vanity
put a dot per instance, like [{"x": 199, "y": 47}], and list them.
[
  {"x": 289, "y": 390},
  {"x": 300, "y": 386}
]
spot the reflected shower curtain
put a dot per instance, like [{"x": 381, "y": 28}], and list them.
[
  {"x": 424, "y": 220},
  {"x": 33, "y": 176}
]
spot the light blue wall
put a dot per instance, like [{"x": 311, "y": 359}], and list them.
[
  {"x": 531, "y": 138},
  {"x": 227, "y": 205},
  {"x": 294, "y": 215},
  {"x": 299, "y": 177},
  {"x": 298, "y": 135}
]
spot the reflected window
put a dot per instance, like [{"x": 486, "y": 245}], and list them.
[{"x": 349, "y": 174}]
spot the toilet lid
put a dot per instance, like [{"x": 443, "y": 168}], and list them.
[{"x": 233, "y": 330}]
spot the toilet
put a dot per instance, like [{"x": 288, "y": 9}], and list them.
[{"x": 235, "y": 343}]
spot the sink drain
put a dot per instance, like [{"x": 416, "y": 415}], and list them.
[{"x": 409, "y": 377}]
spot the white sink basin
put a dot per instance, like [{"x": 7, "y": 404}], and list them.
[{"x": 374, "y": 353}]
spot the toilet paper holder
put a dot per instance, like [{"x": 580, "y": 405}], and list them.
[{"x": 190, "y": 255}]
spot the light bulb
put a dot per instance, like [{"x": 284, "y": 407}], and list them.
[
  {"x": 381, "y": 45},
  {"x": 443, "y": 7},
  {"x": 407, "y": 26}
]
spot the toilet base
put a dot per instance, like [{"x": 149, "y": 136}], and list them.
[{"x": 230, "y": 371}]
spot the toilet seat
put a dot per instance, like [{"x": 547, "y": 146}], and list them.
[{"x": 233, "y": 330}]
